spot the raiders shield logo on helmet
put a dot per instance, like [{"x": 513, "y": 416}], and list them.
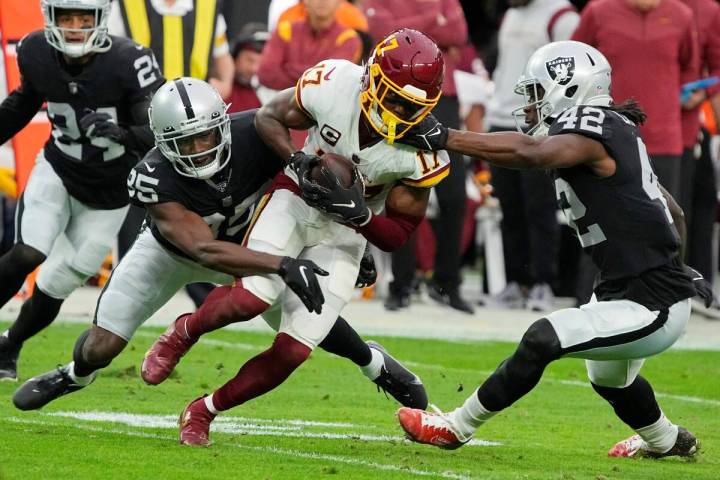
[{"x": 561, "y": 69}]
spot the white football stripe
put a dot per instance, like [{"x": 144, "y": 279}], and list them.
[
  {"x": 275, "y": 450},
  {"x": 230, "y": 425}
]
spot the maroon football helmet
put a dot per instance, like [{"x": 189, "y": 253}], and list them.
[{"x": 402, "y": 82}]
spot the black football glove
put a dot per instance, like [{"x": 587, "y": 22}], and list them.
[
  {"x": 429, "y": 134},
  {"x": 702, "y": 287},
  {"x": 302, "y": 164},
  {"x": 102, "y": 125},
  {"x": 367, "y": 274},
  {"x": 300, "y": 276},
  {"x": 345, "y": 205}
]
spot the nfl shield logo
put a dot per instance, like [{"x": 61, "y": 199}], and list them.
[{"x": 561, "y": 69}]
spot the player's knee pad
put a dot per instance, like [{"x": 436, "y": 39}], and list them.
[
  {"x": 540, "y": 343},
  {"x": 23, "y": 259},
  {"x": 60, "y": 280}
]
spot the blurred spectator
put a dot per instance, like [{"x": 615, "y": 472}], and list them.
[
  {"x": 698, "y": 195},
  {"x": 296, "y": 46},
  {"x": 444, "y": 21},
  {"x": 652, "y": 47},
  {"x": 277, "y": 8},
  {"x": 347, "y": 15},
  {"x": 529, "y": 225},
  {"x": 201, "y": 50},
  {"x": 186, "y": 42},
  {"x": 246, "y": 51}
]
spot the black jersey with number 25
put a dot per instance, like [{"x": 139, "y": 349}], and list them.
[
  {"x": 226, "y": 201},
  {"x": 622, "y": 221}
]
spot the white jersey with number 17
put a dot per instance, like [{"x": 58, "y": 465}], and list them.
[{"x": 329, "y": 92}]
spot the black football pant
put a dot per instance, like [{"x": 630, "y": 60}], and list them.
[
  {"x": 698, "y": 200},
  {"x": 448, "y": 226}
]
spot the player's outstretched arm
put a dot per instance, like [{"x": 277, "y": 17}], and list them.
[
  {"x": 511, "y": 149},
  {"x": 275, "y": 119},
  {"x": 189, "y": 232}
]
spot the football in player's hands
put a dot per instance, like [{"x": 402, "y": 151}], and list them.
[{"x": 339, "y": 166}]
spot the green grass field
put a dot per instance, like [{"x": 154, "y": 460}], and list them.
[{"x": 329, "y": 421}]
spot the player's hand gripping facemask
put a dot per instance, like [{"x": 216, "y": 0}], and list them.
[{"x": 429, "y": 134}]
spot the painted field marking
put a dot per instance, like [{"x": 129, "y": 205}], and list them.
[
  {"x": 239, "y": 426},
  {"x": 272, "y": 450}
]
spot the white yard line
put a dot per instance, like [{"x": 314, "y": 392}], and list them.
[
  {"x": 231, "y": 425},
  {"x": 272, "y": 450},
  {"x": 213, "y": 343}
]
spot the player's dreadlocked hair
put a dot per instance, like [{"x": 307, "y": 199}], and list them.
[{"x": 630, "y": 109}]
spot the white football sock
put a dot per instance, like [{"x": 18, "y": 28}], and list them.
[
  {"x": 84, "y": 381},
  {"x": 210, "y": 406},
  {"x": 661, "y": 435},
  {"x": 372, "y": 369},
  {"x": 471, "y": 415}
]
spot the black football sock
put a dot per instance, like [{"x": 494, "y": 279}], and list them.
[
  {"x": 635, "y": 404},
  {"x": 344, "y": 341},
  {"x": 518, "y": 374},
  {"x": 36, "y": 313},
  {"x": 15, "y": 265},
  {"x": 81, "y": 367}
]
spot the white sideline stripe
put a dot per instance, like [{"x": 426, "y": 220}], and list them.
[
  {"x": 275, "y": 450},
  {"x": 229, "y": 425},
  {"x": 215, "y": 343},
  {"x": 140, "y": 419},
  {"x": 575, "y": 383}
]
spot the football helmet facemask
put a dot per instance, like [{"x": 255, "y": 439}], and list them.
[
  {"x": 402, "y": 82},
  {"x": 96, "y": 38},
  {"x": 185, "y": 114},
  {"x": 558, "y": 76}
]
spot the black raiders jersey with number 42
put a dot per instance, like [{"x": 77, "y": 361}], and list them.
[
  {"x": 227, "y": 201},
  {"x": 622, "y": 221},
  {"x": 93, "y": 170}
]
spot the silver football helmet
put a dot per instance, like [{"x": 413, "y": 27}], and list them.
[
  {"x": 180, "y": 112},
  {"x": 568, "y": 73},
  {"x": 96, "y": 39}
]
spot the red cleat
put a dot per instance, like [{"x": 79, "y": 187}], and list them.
[
  {"x": 164, "y": 355},
  {"x": 430, "y": 428},
  {"x": 686, "y": 445},
  {"x": 195, "y": 424}
]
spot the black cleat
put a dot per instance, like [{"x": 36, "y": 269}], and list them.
[
  {"x": 449, "y": 297},
  {"x": 686, "y": 445},
  {"x": 395, "y": 302},
  {"x": 398, "y": 381},
  {"x": 39, "y": 391},
  {"x": 8, "y": 359}
]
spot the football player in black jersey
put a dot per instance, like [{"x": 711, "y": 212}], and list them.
[
  {"x": 623, "y": 218},
  {"x": 97, "y": 88},
  {"x": 201, "y": 188}
]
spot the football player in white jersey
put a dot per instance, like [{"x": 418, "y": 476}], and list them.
[{"x": 355, "y": 112}]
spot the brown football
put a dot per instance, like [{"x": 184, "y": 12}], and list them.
[{"x": 337, "y": 164}]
